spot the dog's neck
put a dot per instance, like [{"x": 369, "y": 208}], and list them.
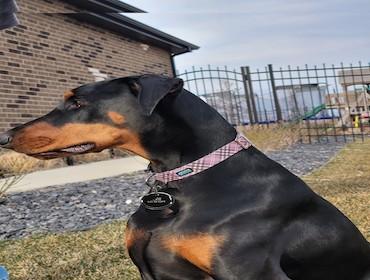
[{"x": 191, "y": 130}]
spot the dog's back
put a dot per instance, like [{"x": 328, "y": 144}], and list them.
[{"x": 244, "y": 218}]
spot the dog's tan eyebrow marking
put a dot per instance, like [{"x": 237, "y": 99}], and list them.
[
  {"x": 67, "y": 94},
  {"x": 116, "y": 117}
]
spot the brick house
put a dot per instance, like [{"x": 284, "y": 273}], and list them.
[{"x": 61, "y": 44}]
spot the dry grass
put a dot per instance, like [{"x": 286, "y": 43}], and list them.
[
  {"x": 16, "y": 163},
  {"x": 271, "y": 138},
  {"x": 99, "y": 253},
  {"x": 6, "y": 184},
  {"x": 345, "y": 181},
  {"x": 95, "y": 254},
  {"x": 7, "y": 175},
  {"x": 92, "y": 157}
]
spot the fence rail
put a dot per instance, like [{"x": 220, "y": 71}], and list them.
[{"x": 326, "y": 102}]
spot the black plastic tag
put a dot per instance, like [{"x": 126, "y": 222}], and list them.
[{"x": 157, "y": 200}]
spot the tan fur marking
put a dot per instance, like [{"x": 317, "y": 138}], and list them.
[
  {"x": 199, "y": 249},
  {"x": 42, "y": 137},
  {"x": 67, "y": 94},
  {"x": 132, "y": 235},
  {"x": 116, "y": 118},
  {"x": 133, "y": 145}
]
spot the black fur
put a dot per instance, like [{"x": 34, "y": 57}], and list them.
[{"x": 275, "y": 226}]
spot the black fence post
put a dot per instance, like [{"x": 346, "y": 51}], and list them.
[
  {"x": 251, "y": 94},
  {"x": 246, "y": 90},
  {"x": 274, "y": 93},
  {"x": 249, "y": 89}
]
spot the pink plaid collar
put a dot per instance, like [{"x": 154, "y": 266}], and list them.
[{"x": 208, "y": 161}]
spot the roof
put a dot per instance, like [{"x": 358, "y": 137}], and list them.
[
  {"x": 298, "y": 86},
  {"x": 354, "y": 76},
  {"x": 105, "y": 6},
  {"x": 106, "y": 14}
]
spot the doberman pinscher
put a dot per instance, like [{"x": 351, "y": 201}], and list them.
[{"x": 245, "y": 218}]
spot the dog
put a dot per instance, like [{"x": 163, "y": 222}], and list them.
[{"x": 245, "y": 217}]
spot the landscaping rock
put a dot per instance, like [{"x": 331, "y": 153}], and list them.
[{"x": 80, "y": 206}]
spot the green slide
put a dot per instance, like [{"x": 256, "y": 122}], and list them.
[{"x": 314, "y": 111}]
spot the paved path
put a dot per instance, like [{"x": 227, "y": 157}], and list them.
[
  {"x": 79, "y": 206},
  {"x": 79, "y": 173}
]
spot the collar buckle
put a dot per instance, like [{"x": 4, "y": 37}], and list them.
[
  {"x": 150, "y": 181},
  {"x": 242, "y": 141}
]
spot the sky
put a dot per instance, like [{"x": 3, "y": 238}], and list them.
[{"x": 255, "y": 33}]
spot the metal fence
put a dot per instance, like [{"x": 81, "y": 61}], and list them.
[{"x": 326, "y": 102}]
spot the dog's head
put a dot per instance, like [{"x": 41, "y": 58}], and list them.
[{"x": 95, "y": 117}]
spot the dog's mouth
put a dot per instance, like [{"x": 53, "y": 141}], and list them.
[{"x": 72, "y": 150}]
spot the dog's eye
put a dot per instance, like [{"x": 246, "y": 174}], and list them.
[{"x": 73, "y": 105}]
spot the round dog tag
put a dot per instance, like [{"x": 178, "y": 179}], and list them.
[{"x": 157, "y": 200}]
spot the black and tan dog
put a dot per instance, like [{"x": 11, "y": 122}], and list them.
[{"x": 247, "y": 218}]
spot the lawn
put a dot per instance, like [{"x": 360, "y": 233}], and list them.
[
  {"x": 99, "y": 253},
  {"x": 94, "y": 254},
  {"x": 345, "y": 181}
]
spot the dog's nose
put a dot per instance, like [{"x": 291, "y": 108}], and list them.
[{"x": 5, "y": 140}]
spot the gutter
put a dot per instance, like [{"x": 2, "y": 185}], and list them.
[
  {"x": 136, "y": 30},
  {"x": 104, "y": 6},
  {"x": 173, "y": 64}
]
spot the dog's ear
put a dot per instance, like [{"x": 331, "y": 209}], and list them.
[{"x": 151, "y": 89}]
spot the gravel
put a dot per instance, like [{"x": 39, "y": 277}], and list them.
[
  {"x": 80, "y": 206},
  {"x": 304, "y": 158}
]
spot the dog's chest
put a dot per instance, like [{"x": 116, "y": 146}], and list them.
[{"x": 165, "y": 249}]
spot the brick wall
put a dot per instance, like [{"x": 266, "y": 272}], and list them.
[{"x": 49, "y": 53}]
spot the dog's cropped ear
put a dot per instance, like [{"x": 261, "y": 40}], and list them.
[{"x": 151, "y": 89}]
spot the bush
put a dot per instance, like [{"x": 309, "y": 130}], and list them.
[
  {"x": 16, "y": 163},
  {"x": 11, "y": 172},
  {"x": 7, "y": 183},
  {"x": 13, "y": 163}
]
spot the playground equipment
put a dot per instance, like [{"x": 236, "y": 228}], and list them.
[
  {"x": 353, "y": 104},
  {"x": 314, "y": 112}
]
